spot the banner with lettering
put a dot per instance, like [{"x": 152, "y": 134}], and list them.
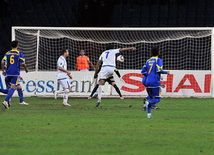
[{"x": 179, "y": 83}]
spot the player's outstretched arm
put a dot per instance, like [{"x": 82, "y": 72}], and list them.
[{"x": 126, "y": 49}]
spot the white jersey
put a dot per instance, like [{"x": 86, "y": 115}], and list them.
[
  {"x": 61, "y": 63},
  {"x": 108, "y": 57}
]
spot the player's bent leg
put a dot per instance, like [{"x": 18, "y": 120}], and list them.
[
  {"x": 155, "y": 101},
  {"x": 55, "y": 94},
  {"x": 4, "y": 91},
  {"x": 93, "y": 91},
  {"x": 9, "y": 96},
  {"x": 117, "y": 90},
  {"x": 157, "y": 97}
]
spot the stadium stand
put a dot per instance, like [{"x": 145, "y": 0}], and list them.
[{"x": 102, "y": 13}]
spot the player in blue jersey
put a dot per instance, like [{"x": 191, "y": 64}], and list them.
[
  {"x": 13, "y": 59},
  {"x": 152, "y": 70}
]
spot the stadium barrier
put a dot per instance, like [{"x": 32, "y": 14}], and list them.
[{"x": 178, "y": 84}]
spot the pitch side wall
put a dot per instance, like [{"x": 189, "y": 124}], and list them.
[{"x": 178, "y": 84}]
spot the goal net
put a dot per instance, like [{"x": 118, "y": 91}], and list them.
[{"x": 185, "y": 52}]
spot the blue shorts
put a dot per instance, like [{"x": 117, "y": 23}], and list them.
[
  {"x": 14, "y": 80},
  {"x": 154, "y": 92}
]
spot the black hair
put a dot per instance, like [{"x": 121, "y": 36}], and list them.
[
  {"x": 109, "y": 46},
  {"x": 155, "y": 51},
  {"x": 63, "y": 51},
  {"x": 14, "y": 44}
]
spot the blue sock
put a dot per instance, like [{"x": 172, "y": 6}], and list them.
[
  {"x": 4, "y": 91},
  {"x": 9, "y": 94},
  {"x": 149, "y": 108},
  {"x": 20, "y": 95},
  {"x": 147, "y": 97}
]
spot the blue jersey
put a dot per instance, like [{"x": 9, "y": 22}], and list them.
[
  {"x": 13, "y": 59},
  {"x": 152, "y": 70}
]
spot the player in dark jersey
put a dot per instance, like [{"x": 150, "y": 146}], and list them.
[{"x": 111, "y": 81}]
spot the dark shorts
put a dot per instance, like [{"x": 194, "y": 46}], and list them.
[
  {"x": 154, "y": 92},
  {"x": 14, "y": 80},
  {"x": 110, "y": 80}
]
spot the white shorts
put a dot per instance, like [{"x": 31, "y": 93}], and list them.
[
  {"x": 106, "y": 72},
  {"x": 65, "y": 83}
]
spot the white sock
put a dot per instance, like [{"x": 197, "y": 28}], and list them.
[
  {"x": 59, "y": 91},
  {"x": 62, "y": 91},
  {"x": 100, "y": 89},
  {"x": 65, "y": 96}
]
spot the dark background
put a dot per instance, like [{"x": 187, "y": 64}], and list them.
[{"x": 104, "y": 13}]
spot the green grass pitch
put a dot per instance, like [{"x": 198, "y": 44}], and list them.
[{"x": 181, "y": 126}]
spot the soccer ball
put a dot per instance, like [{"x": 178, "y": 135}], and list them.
[{"x": 120, "y": 58}]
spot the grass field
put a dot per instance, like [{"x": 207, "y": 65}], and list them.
[{"x": 181, "y": 126}]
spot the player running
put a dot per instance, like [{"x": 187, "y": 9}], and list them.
[
  {"x": 13, "y": 59},
  {"x": 153, "y": 70},
  {"x": 62, "y": 77},
  {"x": 108, "y": 67},
  {"x": 8, "y": 85},
  {"x": 111, "y": 81}
]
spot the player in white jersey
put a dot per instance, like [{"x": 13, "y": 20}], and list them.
[
  {"x": 108, "y": 58},
  {"x": 63, "y": 76}
]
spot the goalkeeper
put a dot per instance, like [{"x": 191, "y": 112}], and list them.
[{"x": 111, "y": 81}]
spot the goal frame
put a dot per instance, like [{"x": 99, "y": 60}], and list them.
[{"x": 123, "y": 29}]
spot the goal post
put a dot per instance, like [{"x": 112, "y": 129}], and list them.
[{"x": 186, "y": 52}]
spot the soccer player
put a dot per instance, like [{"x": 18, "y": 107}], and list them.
[
  {"x": 153, "y": 70},
  {"x": 111, "y": 81},
  {"x": 83, "y": 62},
  {"x": 13, "y": 59},
  {"x": 62, "y": 77},
  {"x": 108, "y": 67}
]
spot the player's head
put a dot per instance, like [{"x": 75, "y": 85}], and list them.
[
  {"x": 64, "y": 52},
  {"x": 14, "y": 44},
  {"x": 155, "y": 51},
  {"x": 82, "y": 52},
  {"x": 109, "y": 46}
]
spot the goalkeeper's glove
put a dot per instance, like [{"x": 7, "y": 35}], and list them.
[
  {"x": 92, "y": 82},
  {"x": 122, "y": 80}
]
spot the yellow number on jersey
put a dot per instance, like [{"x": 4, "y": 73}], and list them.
[
  {"x": 12, "y": 60},
  {"x": 150, "y": 68}
]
